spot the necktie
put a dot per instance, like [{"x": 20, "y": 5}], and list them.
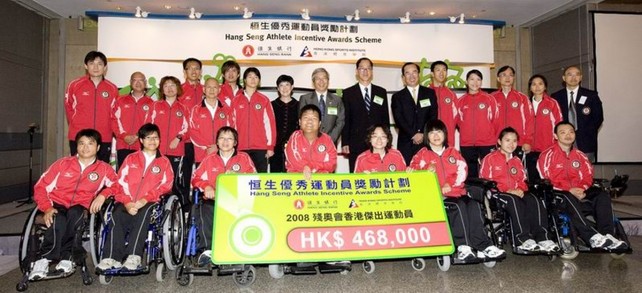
[
  {"x": 322, "y": 106},
  {"x": 572, "y": 115},
  {"x": 414, "y": 95},
  {"x": 367, "y": 100}
]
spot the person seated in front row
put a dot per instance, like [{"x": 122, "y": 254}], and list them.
[
  {"x": 145, "y": 176},
  {"x": 380, "y": 156},
  {"x": 225, "y": 161},
  {"x": 527, "y": 213},
  {"x": 63, "y": 193},
  {"x": 571, "y": 172},
  {"x": 464, "y": 213}
]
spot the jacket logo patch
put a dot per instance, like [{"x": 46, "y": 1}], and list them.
[
  {"x": 68, "y": 174},
  {"x": 127, "y": 106},
  {"x": 546, "y": 111},
  {"x": 392, "y": 168},
  {"x": 203, "y": 116},
  {"x": 586, "y": 110},
  {"x": 482, "y": 106},
  {"x": 575, "y": 164},
  {"x": 451, "y": 160},
  {"x": 179, "y": 114},
  {"x": 236, "y": 167},
  {"x": 321, "y": 148},
  {"x": 145, "y": 108},
  {"x": 448, "y": 100},
  {"x": 258, "y": 106},
  {"x": 513, "y": 170},
  {"x": 514, "y": 104},
  {"x": 93, "y": 176},
  {"x": 105, "y": 94},
  {"x": 156, "y": 169},
  {"x": 221, "y": 115}
]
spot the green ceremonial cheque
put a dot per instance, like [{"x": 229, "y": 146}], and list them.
[{"x": 283, "y": 218}]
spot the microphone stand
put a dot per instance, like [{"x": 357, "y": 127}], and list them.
[{"x": 29, "y": 200}]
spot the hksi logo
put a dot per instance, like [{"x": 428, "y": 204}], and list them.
[{"x": 306, "y": 52}]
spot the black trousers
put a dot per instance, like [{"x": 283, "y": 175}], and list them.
[
  {"x": 121, "y": 155},
  {"x": 204, "y": 218},
  {"x": 528, "y": 217},
  {"x": 181, "y": 183},
  {"x": 277, "y": 162},
  {"x": 531, "y": 167},
  {"x": 473, "y": 156},
  {"x": 63, "y": 239},
  {"x": 259, "y": 160},
  {"x": 596, "y": 203},
  {"x": 103, "y": 153},
  {"x": 354, "y": 154},
  {"x": 122, "y": 223},
  {"x": 187, "y": 169},
  {"x": 466, "y": 222}
]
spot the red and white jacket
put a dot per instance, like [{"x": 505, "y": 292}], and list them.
[
  {"x": 516, "y": 111},
  {"x": 90, "y": 106},
  {"x": 192, "y": 94},
  {"x": 128, "y": 116},
  {"x": 368, "y": 161},
  {"x": 227, "y": 95},
  {"x": 508, "y": 174},
  {"x": 254, "y": 120},
  {"x": 320, "y": 155},
  {"x": 136, "y": 182},
  {"x": 203, "y": 127},
  {"x": 447, "y": 106},
  {"x": 565, "y": 171},
  {"x": 213, "y": 165},
  {"x": 65, "y": 184},
  {"x": 172, "y": 121},
  {"x": 548, "y": 114},
  {"x": 477, "y": 119},
  {"x": 450, "y": 167}
]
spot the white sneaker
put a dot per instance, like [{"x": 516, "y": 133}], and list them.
[
  {"x": 600, "y": 241},
  {"x": 617, "y": 243},
  {"x": 65, "y": 266},
  {"x": 40, "y": 269},
  {"x": 205, "y": 258},
  {"x": 465, "y": 253},
  {"x": 108, "y": 263},
  {"x": 493, "y": 252},
  {"x": 528, "y": 245},
  {"x": 132, "y": 262},
  {"x": 548, "y": 246}
]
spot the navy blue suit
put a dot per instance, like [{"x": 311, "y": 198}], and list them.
[
  {"x": 410, "y": 117},
  {"x": 589, "y": 116}
]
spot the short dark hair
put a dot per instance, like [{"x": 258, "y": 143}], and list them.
[
  {"x": 229, "y": 64},
  {"x": 228, "y": 129},
  {"x": 192, "y": 59},
  {"x": 364, "y": 59},
  {"x": 475, "y": 72},
  {"x": 90, "y": 133},
  {"x": 251, "y": 70},
  {"x": 435, "y": 125},
  {"x": 409, "y": 63},
  {"x": 561, "y": 123},
  {"x": 92, "y": 55},
  {"x": 284, "y": 78},
  {"x": 147, "y": 129},
  {"x": 438, "y": 62},
  {"x": 506, "y": 131},
  {"x": 179, "y": 88},
  {"x": 504, "y": 68},
  {"x": 530, "y": 82},
  {"x": 310, "y": 107},
  {"x": 386, "y": 131}
]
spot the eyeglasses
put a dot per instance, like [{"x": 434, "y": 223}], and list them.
[{"x": 152, "y": 138}]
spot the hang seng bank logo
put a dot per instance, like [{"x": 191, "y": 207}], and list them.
[
  {"x": 306, "y": 52},
  {"x": 248, "y": 51}
]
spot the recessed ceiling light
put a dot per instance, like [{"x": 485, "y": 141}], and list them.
[
  {"x": 119, "y": 8},
  {"x": 167, "y": 6},
  {"x": 237, "y": 8},
  {"x": 368, "y": 10},
  {"x": 432, "y": 13}
]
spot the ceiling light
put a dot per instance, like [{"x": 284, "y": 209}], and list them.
[
  {"x": 140, "y": 13},
  {"x": 432, "y": 13},
  {"x": 405, "y": 19},
  {"x": 237, "y": 8},
  {"x": 461, "y": 18},
  {"x": 305, "y": 14},
  {"x": 167, "y": 6},
  {"x": 247, "y": 13},
  {"x": 368, "y": 10},
  {"x": 193, "y": 14}
]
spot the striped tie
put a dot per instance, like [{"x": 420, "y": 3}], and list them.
[
  {"x": 367, "y": 100},
  {"x": 322, "y": 106}
]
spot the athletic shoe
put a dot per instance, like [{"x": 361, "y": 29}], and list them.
[
  {"x": 205, "y": 258},
  {"x": 132, "y": 262},
  {"x": 108, "y": 263},
  {"x": 617, "y": 243},
  {"x": 548, "y": 246},
  {"x": 493, "y": 252},
  {"x": 65, "y": 266},
  {"x": 465, "y": 253},
  {"x": 528, "y": 245},
  {"x": 40, "y": 269},
  {"x": 600, "y": 241}
]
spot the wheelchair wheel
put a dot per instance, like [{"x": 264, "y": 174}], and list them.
[
  {"x": 96, "y": 226},
  {"x": 276, "y": 271},
  {"x": 419, "y": 264},
  {"x": 368, "y": 266},
  {"x": 183, "y": 278},
  {"x": 443, "y": 262},
  {"x": 28, "y": 248},
  {"x": 173, "y": 233},
  {"x": 105, "y": 280},
  {"x": 245, "y": 278},
  {"x": 568, "y": 250},
  {"x": 161, "y": 272}
]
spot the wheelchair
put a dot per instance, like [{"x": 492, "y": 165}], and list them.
[
  {"x": 277, "y": 271},
  {"x": 30, "y": 241},
  {"x": 163, "y": 246}
]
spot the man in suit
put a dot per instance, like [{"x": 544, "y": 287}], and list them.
[
  {"x": 331, "y": 106},
  {"x": 365, "y": 105},
  {"x": 412, "y": 107},
  {"x": 587, "y": 111}
]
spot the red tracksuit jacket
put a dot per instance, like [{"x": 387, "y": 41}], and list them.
[
  {"x": 192, "y": 94},
  {"x": 254, "y": 120},
  {"x": 213, "y": 165},
  {"x": 172, "y": 121},
  {"x": 447, "y": 106},
  {"x": 450, "y": 167},
  {"x": 90, "y": 106},
  {"x": 565, "y": 171},
  {"x": 136, "y": 182},
  {"x": 128, "y": 116},
  {"x": 203, "y": 127},
  {"x": 227, "y": 95},
  {"x": 508, "y": 174},
  {"x": 548, "y": 114},
  {"x": 477, "y": 119},
  {"x": 392, "y": 161},
  {"x": 516, "y": 111},
  {"x": 65, "y": 184},
  {"x": 320, "y": 155}
]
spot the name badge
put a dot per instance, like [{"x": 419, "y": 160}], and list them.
[
  {"x": 333, "y": 111},
  {"x": 378, "y": 100},
  {"x": 424, "y": 103},
  {"x": 582, "y": 100}
]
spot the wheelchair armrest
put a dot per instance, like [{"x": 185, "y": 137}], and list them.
[
  {"x": 483, "y": 183},
  {"x": 541, "y": 186}
]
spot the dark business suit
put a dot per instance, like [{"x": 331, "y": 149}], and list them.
[
  {"x": 358, "y": 119},
  {"x": 330, "y": 124},
  {"x": 411, "y": 118},
  {"x": 589, "y": 116}
]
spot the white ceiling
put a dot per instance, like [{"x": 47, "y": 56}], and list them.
[{"x": 513, "y": 12}]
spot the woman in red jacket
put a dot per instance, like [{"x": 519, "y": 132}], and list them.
[
  {"x": 528, "y": 215},
  {"x": 464, "y": 214},
  {"x": 380, "y": 157},
  {"x": 547, "y": 115}
]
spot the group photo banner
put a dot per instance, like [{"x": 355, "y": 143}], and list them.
[{"x": 283, "y": 218}]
